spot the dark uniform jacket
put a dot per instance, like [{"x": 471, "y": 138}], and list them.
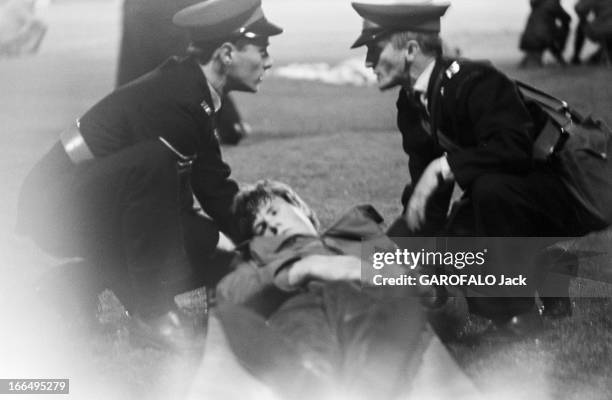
[
  {"x": 172, "y": 102},
  {"x": 481, "y": 111}
]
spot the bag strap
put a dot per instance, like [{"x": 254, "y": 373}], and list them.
[
  {"x": 544, "y": 98},
  {"x": 557, "y": 110},
  {"x": 551, "y": 102}
]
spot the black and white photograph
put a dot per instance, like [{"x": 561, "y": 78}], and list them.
[{"x": 306, "y": 199}]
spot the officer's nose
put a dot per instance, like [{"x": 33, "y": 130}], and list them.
[
  {"x": 371, "y": 58},
  {"x": 268, "y": 62}
]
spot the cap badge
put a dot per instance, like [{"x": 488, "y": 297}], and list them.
[{"x": 453, "y": 69}]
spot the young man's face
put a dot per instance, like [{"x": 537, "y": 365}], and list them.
[
  {"x": 249, "y": 63},
  {"x": 388, "y": 63},
  {"x": 277, "y": 217}
]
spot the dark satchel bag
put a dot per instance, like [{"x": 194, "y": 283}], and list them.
[{"x": 578, "y": 147}]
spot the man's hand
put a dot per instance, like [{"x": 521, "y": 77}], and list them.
[
  {"x": 436, "y": 172},
  {"x": 325, "y": 268}
]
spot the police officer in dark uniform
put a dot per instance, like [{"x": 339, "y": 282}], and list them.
[
  {"x": 487, "y": 152},
  {"x": 149, "y": 37},
  {"x": 117, "y": 188}
]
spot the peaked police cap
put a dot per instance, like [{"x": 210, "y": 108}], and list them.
[
  {"x": 384, "y": 18},
  {"x": 213, "y": 20}
]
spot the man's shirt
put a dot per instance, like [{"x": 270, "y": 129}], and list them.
[{"x": 422, "y": 82}]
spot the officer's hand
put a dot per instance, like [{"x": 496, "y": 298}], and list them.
[{"x": 435, "y": 173}]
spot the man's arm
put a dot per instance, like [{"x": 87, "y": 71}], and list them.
[
  {"x": 325, "y": 268},
  {"x": 213, "y": 187}
]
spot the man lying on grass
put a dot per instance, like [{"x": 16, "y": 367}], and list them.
[
  {"x": 366, "y": 342},
  {"x": 283, "y": 233}
]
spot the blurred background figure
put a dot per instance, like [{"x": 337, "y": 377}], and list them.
[
  {"x": 595, "y": 23},
  {"x": 149, "y": 38},
  {"x": 547, "y": 29},
  {"x": 21, "y": 32}
]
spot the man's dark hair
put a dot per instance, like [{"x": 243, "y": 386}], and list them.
[
  {"x": 430, "y": 43},
  {"x": 252, "y": 198},
  {"x": 203, "y": 51}
]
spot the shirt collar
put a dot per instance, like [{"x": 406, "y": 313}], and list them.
[
  {"x": 422, "y": 82},
  {"x": 215, "y": 96}
]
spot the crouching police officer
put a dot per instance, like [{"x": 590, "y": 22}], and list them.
[
  {"x": 483, "y": 144},
  {"x": 117, "y": 188}
]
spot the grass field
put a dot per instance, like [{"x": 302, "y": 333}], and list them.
[
  {"x": 337, "y": 146},
  {"x": 355, "y": 157}
]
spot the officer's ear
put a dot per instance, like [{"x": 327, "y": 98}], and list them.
[
  {"x": 411, "y": 49},
  {"x": 225, "y": 54}
]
